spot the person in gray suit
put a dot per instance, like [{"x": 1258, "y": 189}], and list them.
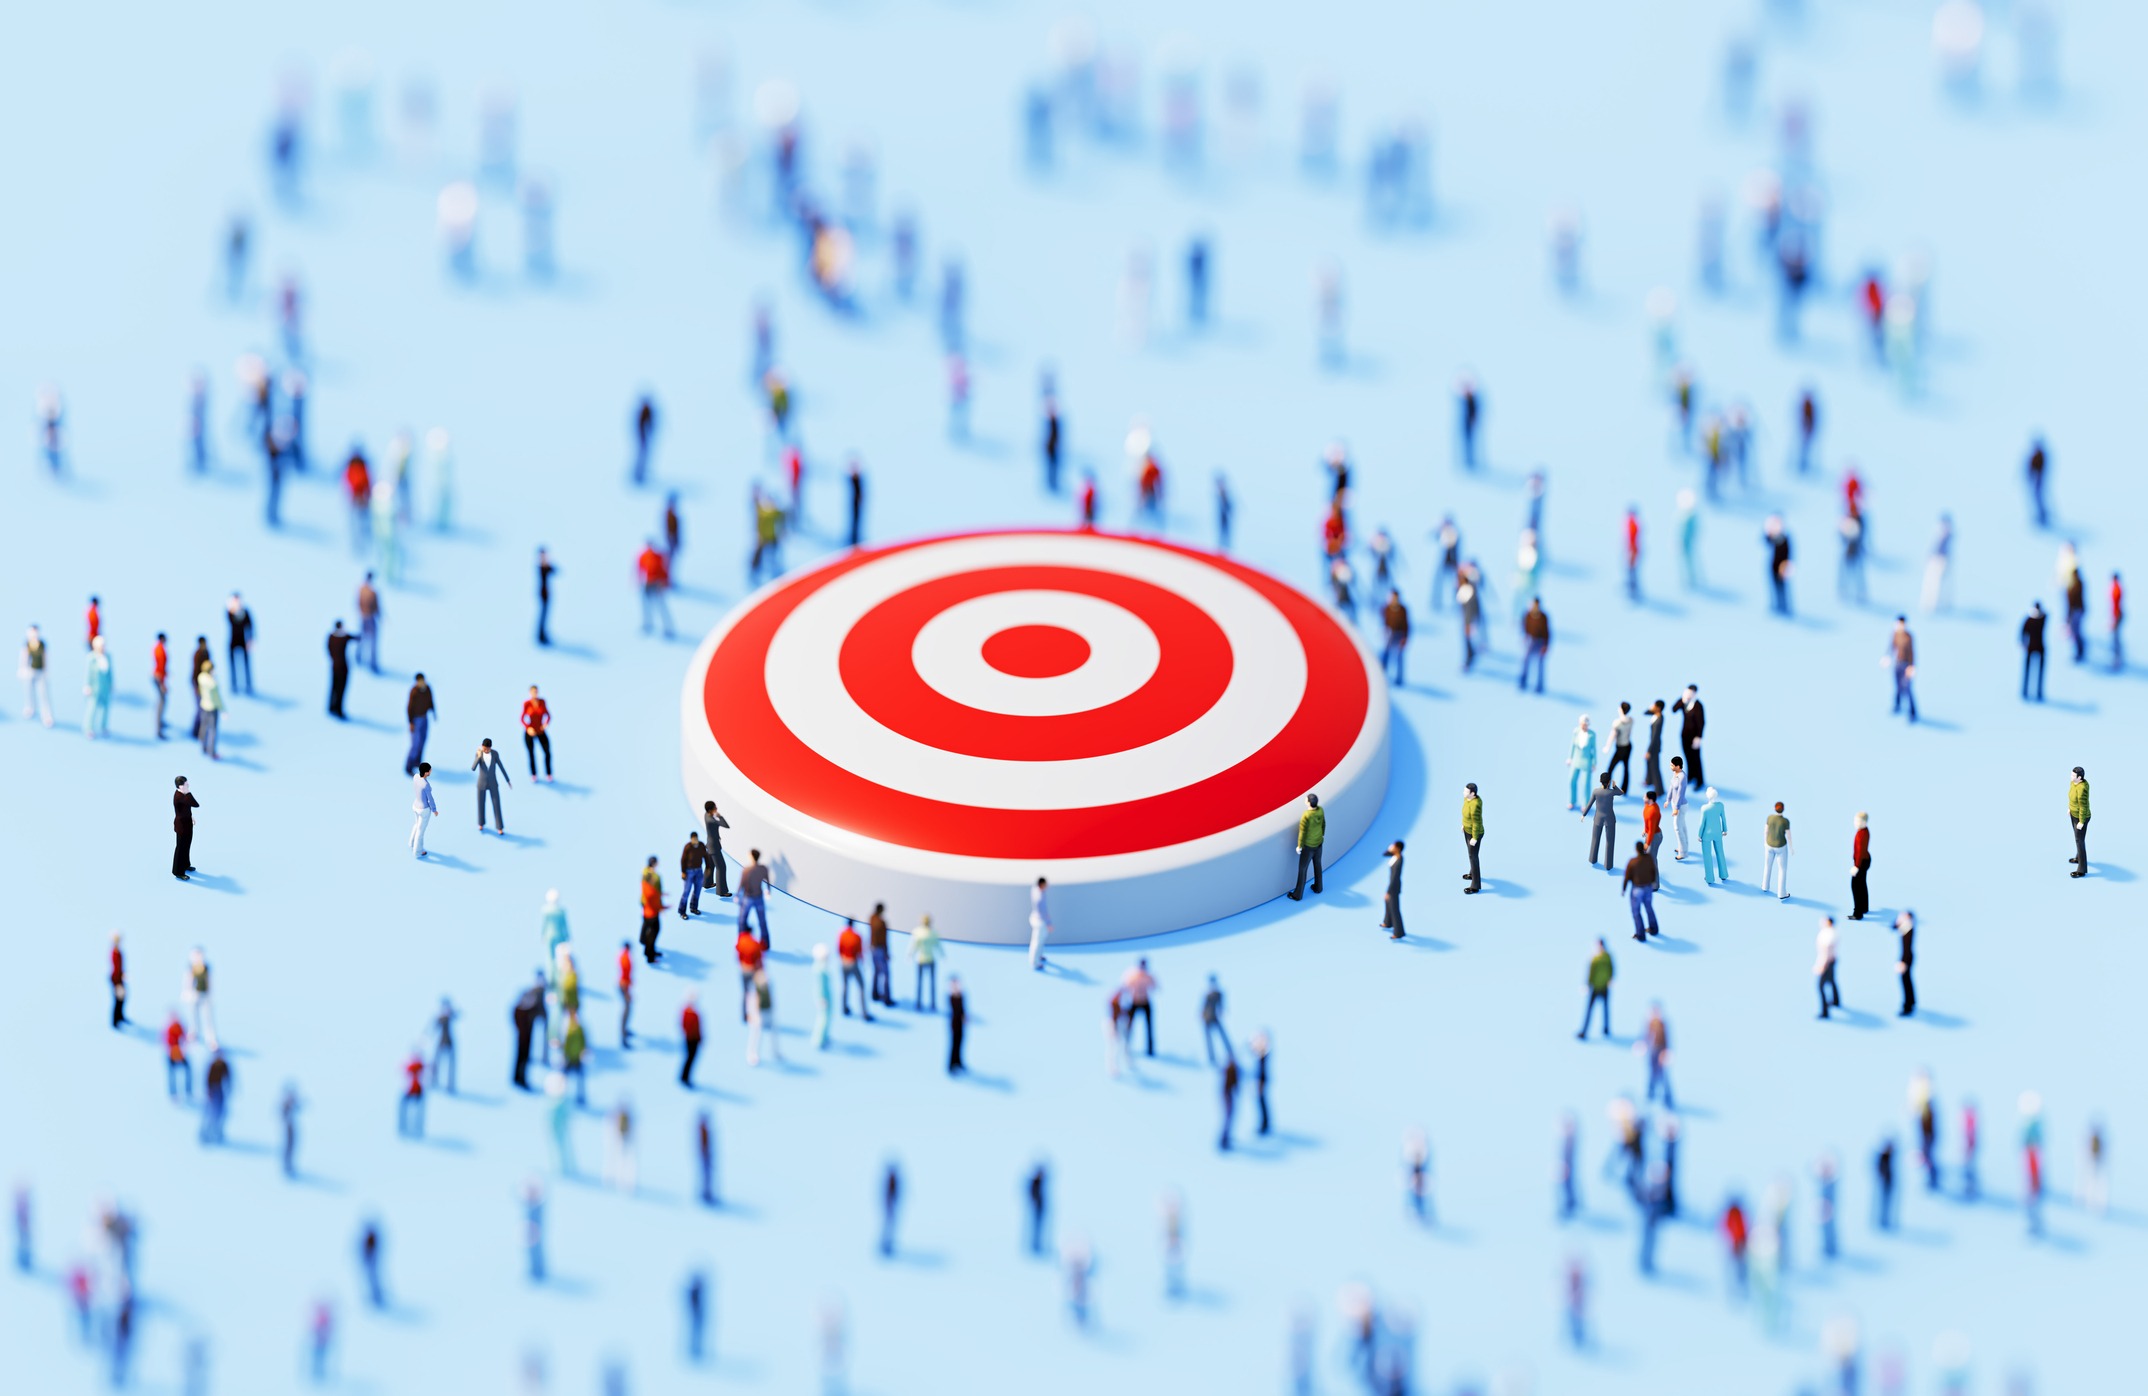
[
  {"x": 491, "y": 770},
  {"x": 1391, "y": 908},
  {"x": 1603, "y": 822}
]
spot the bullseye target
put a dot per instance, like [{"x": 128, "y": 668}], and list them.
[{"x": 936, "y": 724}]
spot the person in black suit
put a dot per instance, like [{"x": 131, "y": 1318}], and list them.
[
  {"x": 339, "y": 667},
  {"x": 2032, "y": 650},
  {"x": 1391, "y": 908},
  {"x": 1690, "y": 728},
  {"x": 958, "y": 1021},
  {"x": 1906, "y": 926},
  {"x": 529, "y": 1011},
  {"x": 183, "y": 806}
]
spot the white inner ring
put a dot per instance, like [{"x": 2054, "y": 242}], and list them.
[
  {"x": 804, "y": 680},
  {"x": 949, "y": 653}
]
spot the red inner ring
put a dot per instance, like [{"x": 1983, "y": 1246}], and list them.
[
  {"x": 880, "y": 676},
  {"x": 1327, "y": 721},
  {"x": 1034, "y": 651}
]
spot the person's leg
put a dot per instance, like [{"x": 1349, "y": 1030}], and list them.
[
  {"x": 1475, "y": 847},
  {"x": 1297, "y": 892},
  {"x": 529, "y": 748},
  {"x": 544, "y": 740},
  {"x": 1648, "y": 905}
]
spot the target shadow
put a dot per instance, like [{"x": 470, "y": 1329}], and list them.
[{"x": 1408, "y": 781}]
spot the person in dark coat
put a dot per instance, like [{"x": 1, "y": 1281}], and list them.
[
  {"x": 1905, "y": 964},
  {"x": 1691, "y": 725},
  {"x": 958, "y": 1018},
  {"x": 529, "y": 1011},
  {"x": 2032, "y": 650},
  {"x": 183, "y": 806},
  {"x": 339, "y": 667}
]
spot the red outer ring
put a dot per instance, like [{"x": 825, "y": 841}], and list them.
[
  {"x": 1314, "y": 741},
  {"x": 880, "y": 678}
]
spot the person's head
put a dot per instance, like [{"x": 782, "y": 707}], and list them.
[
  {"x": 693, "y": 836},
  {"x": 1678, "y": 763},
  {"x": 708, "y": 806},
  {"x": 2079, "y": 774},
  {"x": 418, "y": 677},
  {"x": 1639, "y": 847},
  {"x": 1649, "y": 795},
  {"x": 160, "y": 634},
  {"x": 954, "y": 985},
  {"x": 753, "y": 855},
  {"x": 1656, "y": 707},
  {"x": 2036, "y": 608},
  {"x": 1040, "y": 882},
  {"x": 1602, "y": 948},
  {"x": 338, "y": 626},
  {"x": 485, "y": 745},
  {"x": 1625, "y": 707},
  {"x": 820, "y": 954},
  {"x": 1778, "y": 807},
  {"x": 1861, "y": 818},
  {"x": 652, "y": 860},
  {"x": 1827, "y": 923},
  {"x": 1901, "y": 622},
  {"x": 533, "y": 690},
  {"x": 551, "y": 897},
  {"x": 1584, "y": 722},
  {"x": 880, "y": 908},
  {"x": 1471, "y": 787},
  {"x": 1394, "y": 849},
  {"x": 1604, "y": 780},
  {"x": 425, "y": 768},
  {"x": 1692, "y": 691},
  {"x": 1906, "y": 921},
  {"x": 97, "y": 643},
  {"x": 1313, "y": 800},
  {"x": 1711, "y": 793},
  {"x": 93, "y": 600}
]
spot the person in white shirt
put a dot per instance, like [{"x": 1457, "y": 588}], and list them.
[
  {"x": 1676, "y": 804},
  {"x": 1040, "y": 924},
  {"x": 1824, "y": 968},
  {"x": 1622, "y": 746},
  {"x": 423, "y": 807}
]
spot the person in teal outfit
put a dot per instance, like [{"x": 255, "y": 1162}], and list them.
[
  {"x": 561, "y": 1120},
  {"x": 824, "y": 983},
  {"x": 1580, "y": 763},
  {"x": 1713, "y": 825},
  {"x": 97, "y": 713},
  {"x": 1689, "y": 539}
]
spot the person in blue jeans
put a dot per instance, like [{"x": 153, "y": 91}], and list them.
[
  {"x": 1640, "y": 889},
  {"x": 753, "y": 894},
  {"x": 1713, "y": 825},
  {"x": 693, "y": 874},
  {"x": 1536, "y": 643}
]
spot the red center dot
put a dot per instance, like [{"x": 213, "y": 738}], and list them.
[{"x": 1036, "y": 651}]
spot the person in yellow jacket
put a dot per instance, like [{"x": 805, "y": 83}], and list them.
[
  {"x": 2077, "y": 815},
  {"x": 1312, "y": 832},
  {"x": 1472, "y": 834}
]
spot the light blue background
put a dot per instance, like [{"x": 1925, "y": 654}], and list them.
[{"x": 134, "y": 131}]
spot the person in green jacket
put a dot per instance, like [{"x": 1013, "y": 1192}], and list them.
[
  {"x": 1472, "y": 835},
  {"x": 1312, "y": 832},
  {"x": 572, "y": 1044},
  {"x": 1599, "y": 990},
  {"x": 2077, "y": 815},
  {"x": 1580, "y": 763}
]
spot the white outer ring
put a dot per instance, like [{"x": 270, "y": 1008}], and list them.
[
  {"x": 1267, "y": 682},
  {"x": 986, "y": 900},
  {"x": 949, "y": 653}
]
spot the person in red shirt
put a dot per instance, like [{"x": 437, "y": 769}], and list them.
[
  {"x": 690, "y": 1032},
  {"x": 1734, "y": 1233},
  {"x": 160, "y": 669},
  {"x": 410, "y": 1114},
  {"x": 119, "y": 984},
  {"x": 655, "y": 581},
  {"x": 749, "y": 963},
  {"x": 652, "y": 910},
  {"x": 1633, "y": 553},
  {"x": 94, "y": 621},
  {"x": 176, "y": 1066},
  {"x": 1860, "y": 864},
  {"x": 849, "y": 950},
  {"x": 1651, "y": 823},
  {"x": 2118, "y": 620},
  {"x": 626, "y": 993},
  {"x": 537, "y": 732},
  {"x": 1087, "y": 499},
  {"x": 358, "y": 488}
]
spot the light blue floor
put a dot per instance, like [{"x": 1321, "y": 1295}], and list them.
[{"x": 133, "y": 136}]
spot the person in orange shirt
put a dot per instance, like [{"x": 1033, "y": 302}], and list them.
[
  {"x": 536, "y": 732},
  {"x": 655, "y": 581},
  {"x": 94, "y": 622},
  {"x": 626, "y": 994},
  {"x": 160, "y": 668},
  {"x": 749, "y": 964},
  {"x": 849, "y": 950},
  {"x": 410, "y": 1113},
  {"x": 358, "y": 487},
  {"x": 2118, "y": 620},
  {"x": 652, "y": 909},
  {"x": 176, "y": 1066},
  {"x": 1651, "y": 822}
]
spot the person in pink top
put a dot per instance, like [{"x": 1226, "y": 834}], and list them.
[{"x": 1139, "y": 984}]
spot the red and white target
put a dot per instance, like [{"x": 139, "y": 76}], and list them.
[{"x": 937, "y": 724}]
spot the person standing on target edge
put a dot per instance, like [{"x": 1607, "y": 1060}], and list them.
[
  {"x": 712, "y": 827},
  {"x": 1472, "y": 835},
  {"x": 1312, "y": 832},
  {"x": 1040, "y": 928},
  {"x": 2077, "y": 815},
  {"x": 693, "y": 870},
  {"x": 753, "y": 893},
  {"x": 1391, "y": 906}
]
